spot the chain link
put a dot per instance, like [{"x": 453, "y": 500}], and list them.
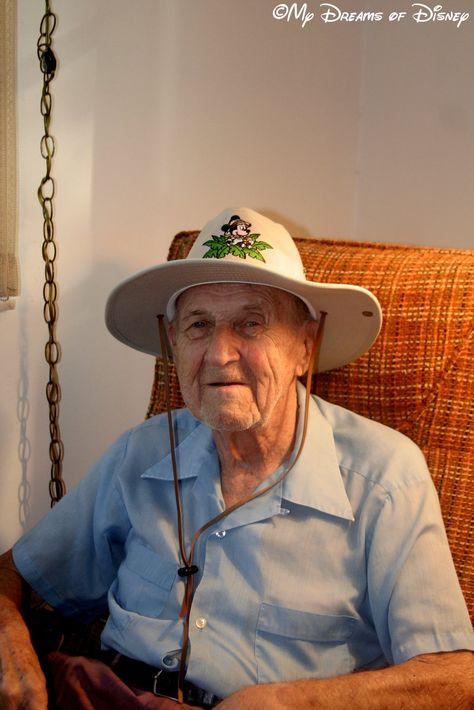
[{"x": 46, "y": 192}]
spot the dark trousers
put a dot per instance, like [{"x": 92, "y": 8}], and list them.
[{"x": 87, "y": 684}]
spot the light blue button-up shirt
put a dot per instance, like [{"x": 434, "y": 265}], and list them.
[{"x": 342, "y": 566}]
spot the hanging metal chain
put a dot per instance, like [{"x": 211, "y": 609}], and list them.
[{"x": 46, "y": 192}]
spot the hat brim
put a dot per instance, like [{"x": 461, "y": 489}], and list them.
[{"x": 353, "y": 319}]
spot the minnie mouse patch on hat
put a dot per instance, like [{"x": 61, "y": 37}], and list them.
[{"x": 243, "y": 246}]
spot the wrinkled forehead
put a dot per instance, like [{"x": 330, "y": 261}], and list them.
[{"x": 228, "y": 296}]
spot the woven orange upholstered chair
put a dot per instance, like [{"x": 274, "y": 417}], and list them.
[{"x": 418, "y": 377}]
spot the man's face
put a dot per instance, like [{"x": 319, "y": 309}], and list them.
[{"x": 238, "y": 349}]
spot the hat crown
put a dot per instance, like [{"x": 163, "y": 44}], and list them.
[{"x": 241, "y": 235}]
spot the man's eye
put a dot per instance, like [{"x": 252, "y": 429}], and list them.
[
  {"x": 251, "y": 327},
  {"x": 197, "y": 328}
]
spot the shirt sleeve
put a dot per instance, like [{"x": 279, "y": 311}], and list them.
[
  {"x": 72, "y": 555},
  {"x": 416, "y": 600}
]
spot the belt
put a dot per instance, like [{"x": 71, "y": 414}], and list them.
[{"x": 156, "y": 680}]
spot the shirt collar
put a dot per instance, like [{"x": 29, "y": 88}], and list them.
[
  {"x": 314, "y": 481},
  {"x": 192, "y": 450}
]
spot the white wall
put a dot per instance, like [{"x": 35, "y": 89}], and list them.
[
  {"x": 166, "y": 111},
  {"x": 416, "y": 164}
]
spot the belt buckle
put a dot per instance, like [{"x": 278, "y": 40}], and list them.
[{"x": 156, "y": 692}]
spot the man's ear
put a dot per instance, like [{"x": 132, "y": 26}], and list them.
[
  {"x": 310, "y": 329},
  {"x": 171, "y": 333}
]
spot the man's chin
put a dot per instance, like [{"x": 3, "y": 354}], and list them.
[{"x": 221, "y": 420}]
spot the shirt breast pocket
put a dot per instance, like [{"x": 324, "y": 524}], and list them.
[
  {"x": 292, "y": 644},
  {"x": 145, "y": 580}
]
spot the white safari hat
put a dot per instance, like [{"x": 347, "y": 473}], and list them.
[{"x": 243, "y": 246}]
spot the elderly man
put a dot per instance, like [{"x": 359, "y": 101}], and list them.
[{"x": 261, "y": 545}]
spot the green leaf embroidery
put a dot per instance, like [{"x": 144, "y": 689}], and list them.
[
  {"x": 221, "y": 245},
  {"x": 217, "y": 251},
  {"x": 237, "y": 251},
  {"x": 255, "y": 254}
]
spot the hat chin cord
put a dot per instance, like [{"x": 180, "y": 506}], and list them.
[{"x": 188, "y": 568}]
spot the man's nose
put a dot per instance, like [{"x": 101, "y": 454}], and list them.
[{"x": 222, "y": 346}]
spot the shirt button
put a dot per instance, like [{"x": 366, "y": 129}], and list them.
[
  {"x": 201, "y": 623},
  {"x": 170, "y": 661},
  {"x": 284, "y": 511},
  {"x": 221, "y": 533}
]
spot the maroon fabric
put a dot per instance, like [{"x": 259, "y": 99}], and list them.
[{"x": 86, "y": 684}]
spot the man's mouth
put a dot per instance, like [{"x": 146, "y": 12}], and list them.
[{"x": 225, "y": 384}]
